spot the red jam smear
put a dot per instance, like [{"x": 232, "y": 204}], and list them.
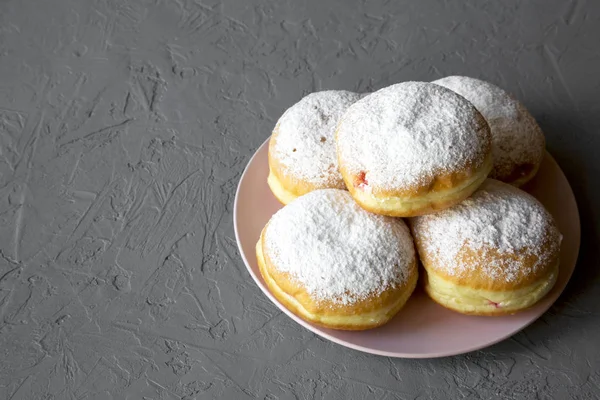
[
  {"x": 361, "y": 180},
  {"x": 497, "y": 305}
]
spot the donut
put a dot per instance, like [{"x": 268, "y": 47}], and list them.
[
  {"x": 495, "y": 253},
  {"x": 336, "y": 265},
  {"x": 412, "y": 148},
  {"x": 302, "y": 155},
  {"x": 518, "y": 144}
]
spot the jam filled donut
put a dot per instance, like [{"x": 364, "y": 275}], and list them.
[
  {"x": 493, "y": 254},
  {"x": 302, "y": 154},
  {"x": 336, "y": 265},
  {"x": 517, "y": 141},
  {"x": 412, "y": 148}
]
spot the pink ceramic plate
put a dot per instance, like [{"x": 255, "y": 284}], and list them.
[{"x": 422, "y": 329}]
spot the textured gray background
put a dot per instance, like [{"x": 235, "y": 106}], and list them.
[{"x": 124, "y": 129}]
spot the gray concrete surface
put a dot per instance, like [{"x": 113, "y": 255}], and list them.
[{"x": 124, "y": 128}]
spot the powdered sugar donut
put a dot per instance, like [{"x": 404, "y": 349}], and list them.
[
  {"x": 334, "y": 264},
  {"x": 412, "y": 148},
  {"x": 302, "y": 153},
  {"x": 517, "y": 141},
  {"x": 495, "y": 253}
]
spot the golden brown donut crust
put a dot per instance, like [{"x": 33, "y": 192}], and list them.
[
  {"x": 440, "y": 192},
  {"x": 385, "y": 305},
  {"x": 442, "y": 182},
  {"x": 478, "y": 259},
  {"x": 551, "y": 277}
]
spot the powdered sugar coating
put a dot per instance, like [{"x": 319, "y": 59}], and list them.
[
  {"x": 517, "y": 139},
  {"x": 305, "y": 143},
  {"x": 336, "y": 250},
  {"x": 496, "y": 219},
  {"x": 406, "y": 134}
]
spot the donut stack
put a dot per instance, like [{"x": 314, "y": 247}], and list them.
[{"x": 413, "y": 173}]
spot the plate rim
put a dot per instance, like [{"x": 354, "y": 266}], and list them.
[{"x": 369, "y": 350}]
